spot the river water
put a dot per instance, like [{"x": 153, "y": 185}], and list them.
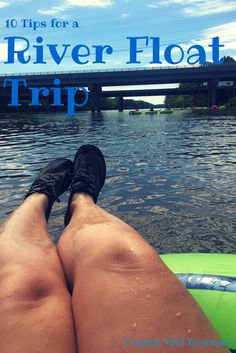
[{"x": 173, "y": 178}]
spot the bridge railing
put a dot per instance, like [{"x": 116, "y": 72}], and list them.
[
  {"x": 100, "y": 70},
  {"x": 148, "y": 68}
]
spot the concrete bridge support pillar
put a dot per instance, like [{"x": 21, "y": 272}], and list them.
[
  {"x": 120, "y": 103},
  {"x": 212, "y": 87},
  {"x": 92, "y": 101},
  {"x": 95, "y": 91},
  {"x": 98, "y": 98}
]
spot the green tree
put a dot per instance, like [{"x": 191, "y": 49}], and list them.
[
  {"x": 183, "y": 101},
  {"x": 231, "y": 104}
]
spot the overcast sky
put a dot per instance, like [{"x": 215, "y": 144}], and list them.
[{"x": 183, "y": 22}]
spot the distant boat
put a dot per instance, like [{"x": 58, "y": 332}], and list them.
[
  {"x": 135, "y": 112},
  {"x": 166, "y": 111},
  {"x": 151, "y": 112}
]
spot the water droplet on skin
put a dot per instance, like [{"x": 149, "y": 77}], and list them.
[
  {"x": 47, "y": 342},
  {"x": 162, "y": 311},
  {"x": 134, "y": 326},
  {"x": 131, "y": 249},
  {"x": 148, "y": 297},
  {"x": 189, "y": 331},
  {"x": 147, "y": 329},
  {"x": 145, "y": 318},
  {"x": 139, "y": 280},
  {"x": 178, "y": 314},
  {"x": 9, "y": 295},
  {"x": 133, "y": 291}
]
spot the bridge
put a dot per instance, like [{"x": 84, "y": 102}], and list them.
[{"x": 96, "y": 80}]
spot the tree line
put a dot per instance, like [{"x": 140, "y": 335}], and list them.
[{"x": 224, "y": 98}]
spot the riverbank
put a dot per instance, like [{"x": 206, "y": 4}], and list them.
[{"x": 215, "y": 111}]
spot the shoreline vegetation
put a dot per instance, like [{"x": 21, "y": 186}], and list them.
[
  {"x": 229, "y": 108},
  {"x": 216, "y": 111},
  {"x": 226, "y": 99},
  {"x": 135, "y": 109},
  {"x": 106, "y": 104}
]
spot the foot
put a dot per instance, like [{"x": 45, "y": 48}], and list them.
[
  {"x": 52, "y": 181},
  {"x": 89, "y": 174}
]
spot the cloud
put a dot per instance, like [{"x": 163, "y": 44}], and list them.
[
  {"x": 212, "y": 8},
  {"x": 125, "y": 15},
  {"x": 68, "y": 4},
  {"x": 10, "y": 2},
  {"x": 90, "y": 3},
  {"x": 196, "y": 8},
  {"x": 166, "y": 3},
  {"x": 3, "y": 4},
  {"x": 4, "y": 50},
  {"x": 153, "y": 6},
  {"x": 53, "y": 11},
  {"x": 226, "y": 32}
]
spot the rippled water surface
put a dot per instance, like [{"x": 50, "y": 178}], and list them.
[{"x": 171, "y": 177}]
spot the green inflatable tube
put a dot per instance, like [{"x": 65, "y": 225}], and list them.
[
  {"x": 211, "y": 280},
  {"x": 152, "y": 112}
]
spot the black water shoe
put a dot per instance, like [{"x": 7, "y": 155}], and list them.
[
  {"x": 52, "y": 181},
  {"x": 89, "y": 174}
]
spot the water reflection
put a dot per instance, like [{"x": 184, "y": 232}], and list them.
[{"x": 171, "y": 177}]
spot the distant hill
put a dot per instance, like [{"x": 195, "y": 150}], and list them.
[{"x": 112, "y": 104}]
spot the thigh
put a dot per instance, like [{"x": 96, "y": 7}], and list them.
[
  {"x": 35, "y": 306},
  {"x": 124, "y": 298}
]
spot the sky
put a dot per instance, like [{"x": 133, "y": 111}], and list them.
[{"x": 110, "y": 22}]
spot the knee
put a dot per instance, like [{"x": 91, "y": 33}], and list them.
[
  {"x": 130, "y": 255},
  {"x": 125, "y": 250},
  {"x": 21, "y": 285}
]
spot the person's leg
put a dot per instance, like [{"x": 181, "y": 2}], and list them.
[
  {"x": 121, "y": 290},
  {"x": 35, "y": 305}
]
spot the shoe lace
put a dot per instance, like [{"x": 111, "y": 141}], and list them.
[
  {"x": 49, "y": 184},
  {"x": 83, "y": 176}
]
